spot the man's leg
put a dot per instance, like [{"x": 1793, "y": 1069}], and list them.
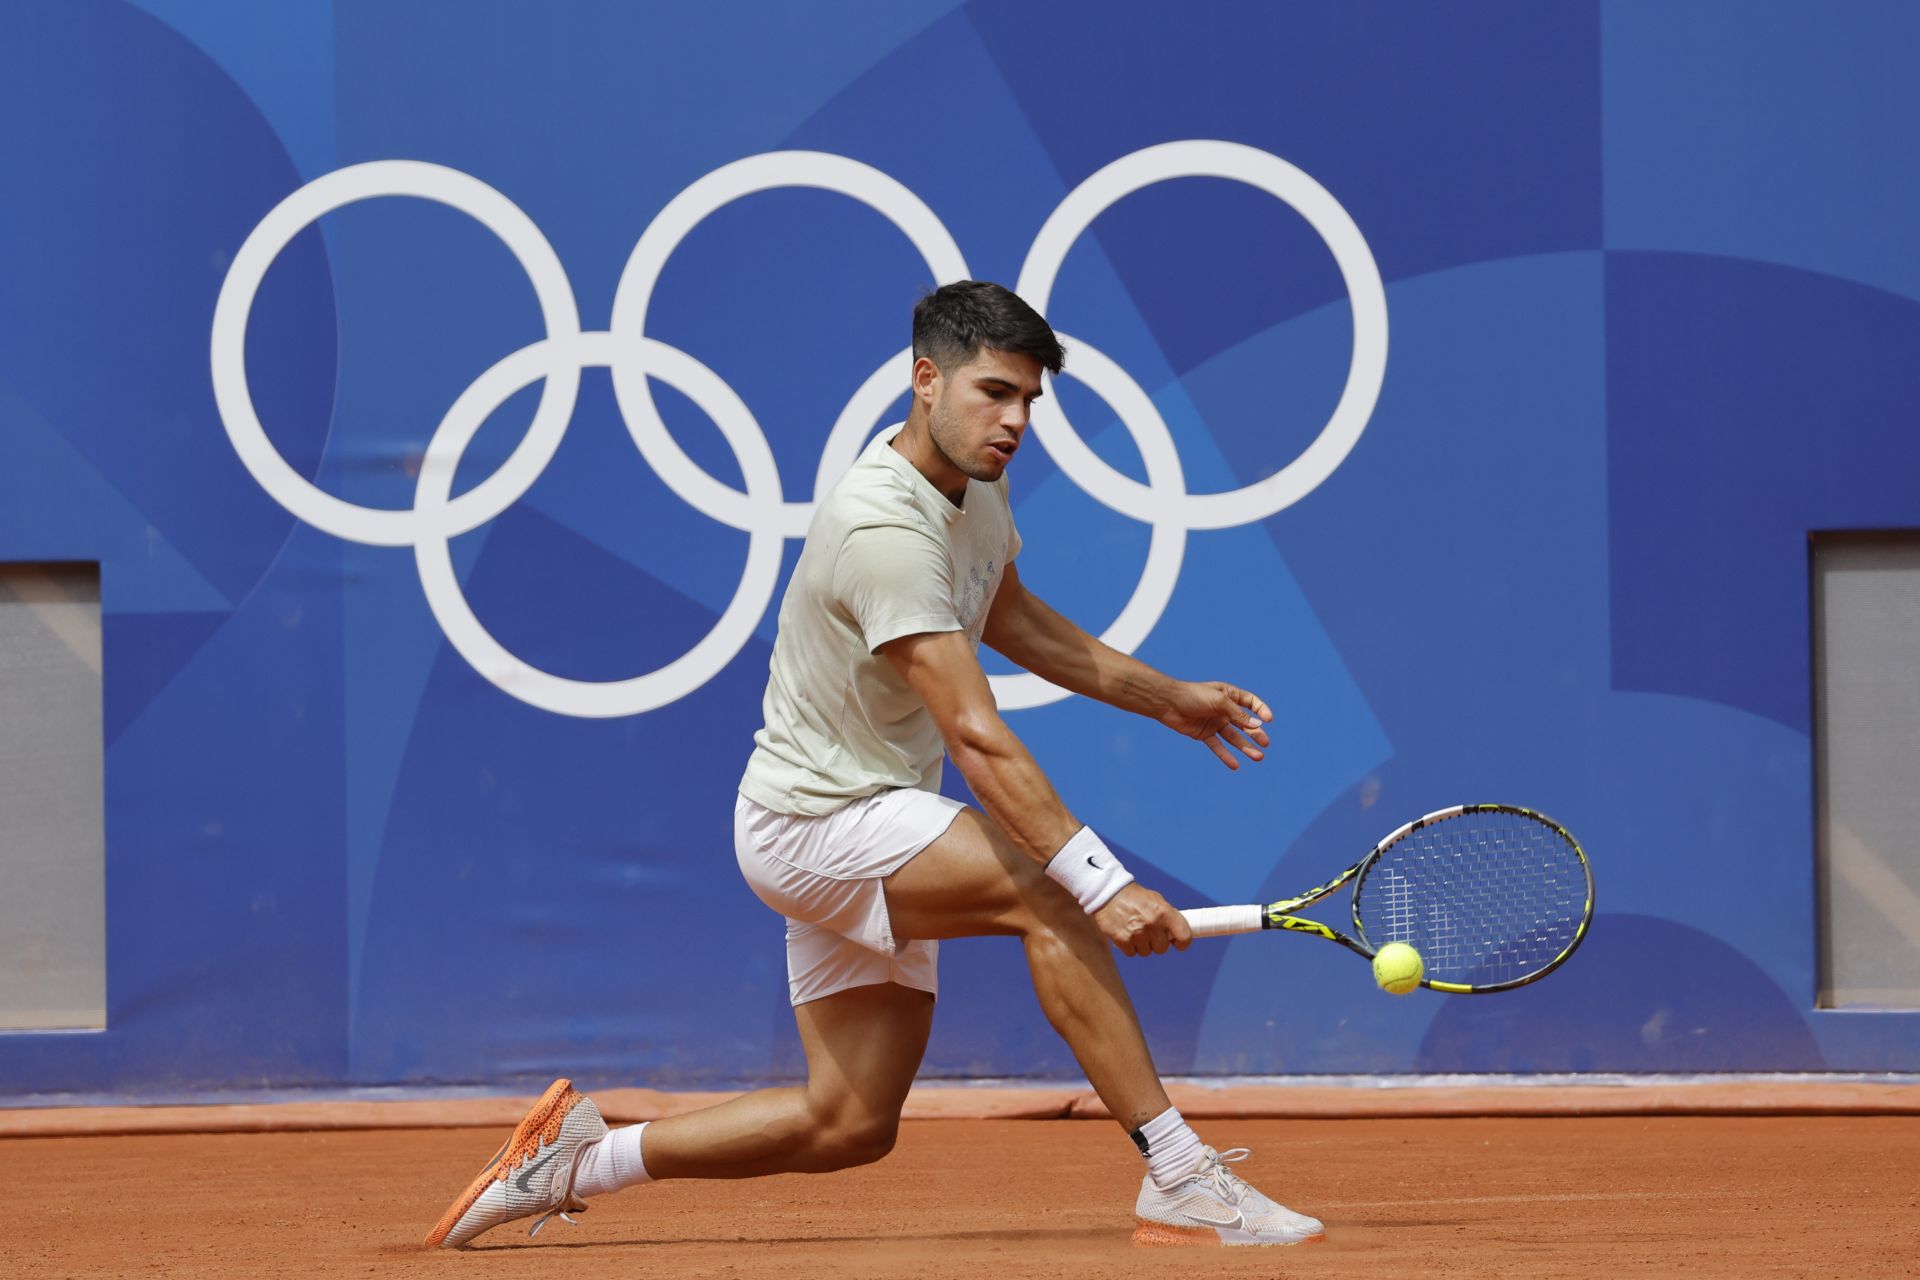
[
  {"x": 863, "y": 1046},
  {"x": 972, "y": 882}
]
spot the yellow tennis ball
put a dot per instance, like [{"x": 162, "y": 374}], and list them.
[{"x": 1398, "y": 968}]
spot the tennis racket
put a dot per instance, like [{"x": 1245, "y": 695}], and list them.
[{"x": 1491, "y": 896}]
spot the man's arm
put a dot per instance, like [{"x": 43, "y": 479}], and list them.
[
  {"x": 1024, "y": 628},
  {"x": 941, "y": 668}
]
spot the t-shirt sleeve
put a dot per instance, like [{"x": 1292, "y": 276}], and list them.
[{"x": 895, "y": 581}]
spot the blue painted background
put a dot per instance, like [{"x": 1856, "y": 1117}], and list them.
[{"x": 1654, "y": 300}]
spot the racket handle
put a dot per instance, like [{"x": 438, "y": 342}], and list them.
[{"x": 1213, "y": 922}]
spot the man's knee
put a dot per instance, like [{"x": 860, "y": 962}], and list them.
[
  {"x": 1050, "y": 917},
  {"x": 844, "y": 1137}
]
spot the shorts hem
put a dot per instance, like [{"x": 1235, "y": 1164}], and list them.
[{"x": 813, "y": 997}]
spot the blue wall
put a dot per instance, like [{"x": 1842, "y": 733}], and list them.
[{"x": 1645, "y": 285}]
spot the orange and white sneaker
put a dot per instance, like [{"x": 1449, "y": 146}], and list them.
[
  {"x": 1213, "y": 1205},
  {"x": 533, "y": 1173}
]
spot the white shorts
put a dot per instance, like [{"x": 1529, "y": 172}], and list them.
[{"x": 823, "y": 874}]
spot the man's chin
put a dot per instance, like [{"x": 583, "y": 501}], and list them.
[{"x": 991, "y": 466}]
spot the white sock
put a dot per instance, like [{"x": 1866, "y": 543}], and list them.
[
  {"x": 1171, "y": 1147},
  {"x": 611, "y": 1163}
]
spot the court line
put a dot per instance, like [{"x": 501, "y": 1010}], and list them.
[{"x": 1533, "y": 1198}]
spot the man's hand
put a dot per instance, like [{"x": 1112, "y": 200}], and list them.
[
  {"x": 1139, "y": 922},
  {"x": 1220, "y": 716}
]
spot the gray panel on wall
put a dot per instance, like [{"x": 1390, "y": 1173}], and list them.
[
  {"x": 52, "y": 848},
  {"x": 1866, "y": 657}
]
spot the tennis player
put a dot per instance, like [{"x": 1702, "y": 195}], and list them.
[{"x": 841, "y": 828}]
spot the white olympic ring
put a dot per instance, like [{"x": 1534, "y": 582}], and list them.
[
  {"x": 1366, "y": 370},
  {"x": 291, "y": 216},
  {"x": 762, "y": 510},
  {"x": 663, "y": 235}
]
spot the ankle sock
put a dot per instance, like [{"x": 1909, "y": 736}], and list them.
[
  {"x": 611, "y": 1163},
  {"x": 1171, "y": 1147}
]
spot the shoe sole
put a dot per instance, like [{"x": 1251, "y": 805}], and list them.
[
  {"x": 1156, "y": 1235},
  {"x": 540, "y": 1124}
]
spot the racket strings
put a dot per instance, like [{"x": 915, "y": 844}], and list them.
[{"x": 1486, "y": 897}]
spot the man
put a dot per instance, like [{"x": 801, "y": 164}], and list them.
[{"x": 840, "y": 827}]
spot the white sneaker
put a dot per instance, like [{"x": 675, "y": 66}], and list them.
[
  {"x": 1212, "y": 1205},
  {"x": 533, "y": 1173}
]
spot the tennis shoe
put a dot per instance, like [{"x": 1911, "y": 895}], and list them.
[
  {"x": 532, "y": 1173},
  {"x": 1214, "y": 1205}
]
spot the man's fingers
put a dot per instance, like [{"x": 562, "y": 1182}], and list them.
[
  {"x": 1245, "y": 712},
  {"x": 1181, "y": 931},
  {"x": 1235, "y": 738},
  {"x": 1249, "y": 701},
  {"x": 1156, "y": 939},
  {"x": 1226, "y": 757},
  {"x": 1145, "y": 926}
]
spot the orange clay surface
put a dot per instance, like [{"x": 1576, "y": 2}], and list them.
[{"x": 1697, "y": 1197}]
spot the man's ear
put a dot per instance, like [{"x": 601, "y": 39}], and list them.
[{"x": 926, "y": 380}]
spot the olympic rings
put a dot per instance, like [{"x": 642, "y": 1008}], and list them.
[{"x": 762, "y": 510}]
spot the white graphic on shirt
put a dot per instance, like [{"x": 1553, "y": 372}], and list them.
[{"x": 974, "y": 594}]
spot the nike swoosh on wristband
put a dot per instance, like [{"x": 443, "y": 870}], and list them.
[
  {"x": 527, "y": 1176},
  {"x": 1096, "y": 866}
]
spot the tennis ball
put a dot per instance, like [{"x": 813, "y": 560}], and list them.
[{"x": 1398, "y": 968}]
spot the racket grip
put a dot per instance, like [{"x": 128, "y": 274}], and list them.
[{"x": 1213, "y": 922}]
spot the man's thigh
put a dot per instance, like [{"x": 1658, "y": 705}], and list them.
[
  {"x": 971, "y": 882},
  {"x": 864, "y": 1045}
]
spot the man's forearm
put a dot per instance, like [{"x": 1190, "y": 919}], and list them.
[
  {"x": 1010, "y": 786},
  {"x": 1050, "y": 645}
]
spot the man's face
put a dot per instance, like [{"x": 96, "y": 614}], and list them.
[{"x": 980, "y": 411}]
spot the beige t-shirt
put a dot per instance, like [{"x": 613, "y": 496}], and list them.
[{"x": 886, "y": 556}]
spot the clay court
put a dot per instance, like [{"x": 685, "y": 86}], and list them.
[{"x": 1511, "y": 1195}]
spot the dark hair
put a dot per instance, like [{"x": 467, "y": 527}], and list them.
[{"x": 952, "y": 323}]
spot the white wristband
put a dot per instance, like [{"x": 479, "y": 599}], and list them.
[{"x": 1087, "y": 869}]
